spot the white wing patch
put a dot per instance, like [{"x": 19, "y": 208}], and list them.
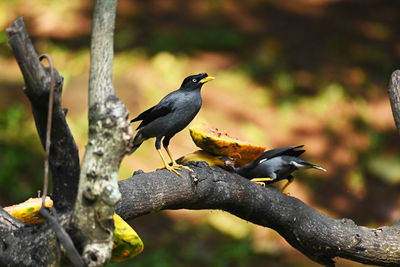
[{"x": 298, "y": 165}]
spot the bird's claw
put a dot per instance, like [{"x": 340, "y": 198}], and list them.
[
  {"x": 176, "y": 165},
  {"x": 261, "y": 180},
  {"x": 172, "y": 169}
]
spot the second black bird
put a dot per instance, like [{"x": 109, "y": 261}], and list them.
[
  {"x": 171, "y": 115},
  {"x": 275, "y": 165}
]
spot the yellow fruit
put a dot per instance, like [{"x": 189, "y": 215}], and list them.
[
  {"x": 220, "y": 143},
  {"x": 127, "y": 243},
  {"x": 28, "y": 211}
]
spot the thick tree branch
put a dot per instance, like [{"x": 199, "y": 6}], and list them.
[
  {"x": 394, "y": 96},
  {"x": 318, "y": 236},
  {"x": 64, "y": 158},
  {"x": 109, "y": 136}
]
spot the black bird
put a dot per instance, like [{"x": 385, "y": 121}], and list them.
[
  {"x": 275, "y": 165},
  {"x": 170, "y": 116}
]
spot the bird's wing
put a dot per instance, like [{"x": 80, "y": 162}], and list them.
[
  {"x": 288, "y": 151},
  {"x": 281, "y": 151},
  {"x": 159, "y": 110}
]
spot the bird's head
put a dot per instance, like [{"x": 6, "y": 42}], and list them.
[{"x": 193, "y": 82}]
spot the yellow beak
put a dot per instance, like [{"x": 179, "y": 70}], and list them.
[{"x": 207, "y": 79}]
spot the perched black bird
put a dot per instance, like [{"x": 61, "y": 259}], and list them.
[
  {"x": 170, "y": 116},
  {"x": 275, "y": 165}
]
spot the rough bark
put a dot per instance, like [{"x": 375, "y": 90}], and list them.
[
  {"x": 394, "y": 96},
  {"x": 109, "y": 136},
  {"x": 64, "y": 157},
  {"x": 318, "y": 236},
  {"x": 28, "y": 245}
]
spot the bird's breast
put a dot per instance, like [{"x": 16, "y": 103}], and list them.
[{"x": 185, "y": 108}]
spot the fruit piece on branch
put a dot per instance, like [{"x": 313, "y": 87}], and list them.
[{"x": 218, "y": 142}]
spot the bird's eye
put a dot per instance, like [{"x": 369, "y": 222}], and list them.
[{"x": 194, "y": 80}]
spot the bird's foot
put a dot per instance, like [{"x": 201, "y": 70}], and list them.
[
  {"x": 176, "y": 165},
  {"x": 172, "y": 169},
  {"x": 261, "y": 181}
]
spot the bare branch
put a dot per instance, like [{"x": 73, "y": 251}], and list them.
[
  {"x": 319, "y": 237},
  {"x": 109, "y": 136},
  {"x": 64, "y": 160},
  {"x": 394, "y": 96}
]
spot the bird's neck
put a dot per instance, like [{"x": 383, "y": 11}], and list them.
[{"x": 184, "y": 89}]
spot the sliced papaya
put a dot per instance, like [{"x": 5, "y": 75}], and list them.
[
  {"x": 218, "y": 142},
  {"x": 127, "y": 243},
  {"x": 28, "y": 211}
]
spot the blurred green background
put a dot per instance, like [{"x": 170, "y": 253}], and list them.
[{"x": 310, "y": 72}]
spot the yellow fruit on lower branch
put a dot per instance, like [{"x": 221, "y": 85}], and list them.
[
  {"x": 28, "y": 211},
  {"x": 127, "y": 243},
  {"x": 218, "y": 142}
]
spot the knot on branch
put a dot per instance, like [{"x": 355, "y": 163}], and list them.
[
  {"x": 96, "y": 254},
  {"x": 108, "y": 119}
]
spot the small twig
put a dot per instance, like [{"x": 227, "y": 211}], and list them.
[{"x": 48, "y": 131}]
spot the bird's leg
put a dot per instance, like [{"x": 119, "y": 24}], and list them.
[
  {"x": 261, "y": 181},
  {"x": 166, "y": 166},
  {"x": 289, "y": 181},
  {"x": 174, "y": 164}
]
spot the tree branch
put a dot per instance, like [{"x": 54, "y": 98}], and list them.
[
  {"x": 109, "y": 136},
  {"x": 394, "y": 96},
  {"x": 64, "y": 159},
  {"x": 318, "y": 236}
]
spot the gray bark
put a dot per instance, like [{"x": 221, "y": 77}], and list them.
[{"x": 109, "y": 137}]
